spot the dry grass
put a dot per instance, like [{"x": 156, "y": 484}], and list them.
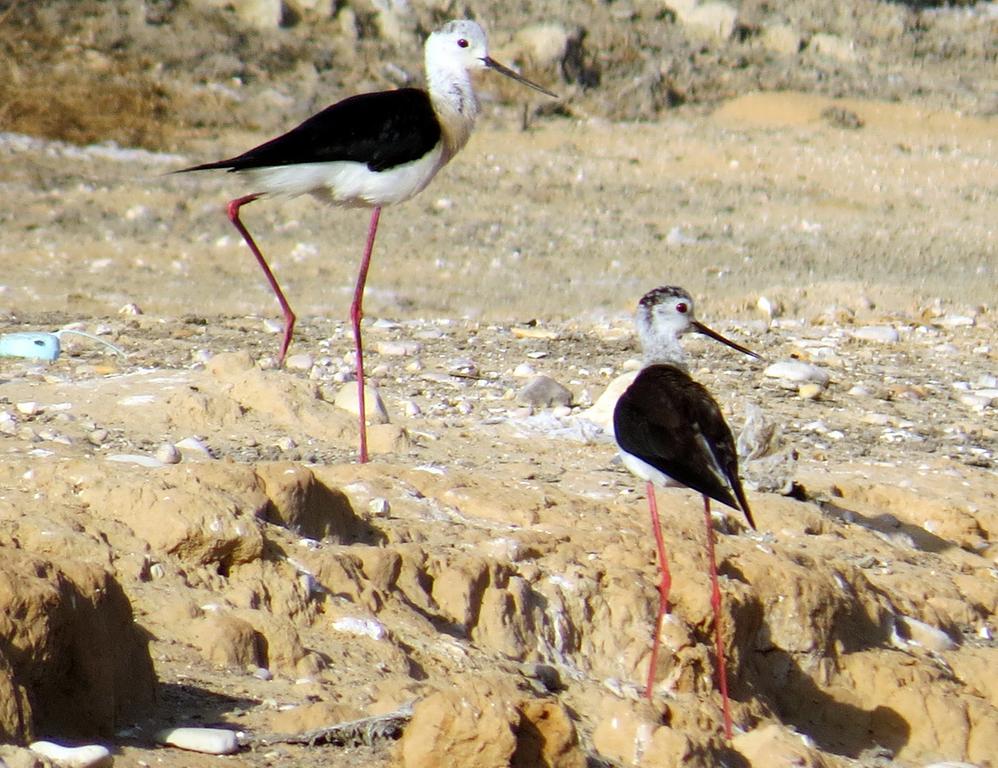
[{"x": 53, "y": 89}]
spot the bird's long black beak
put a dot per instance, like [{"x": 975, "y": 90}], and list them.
[
  {"x": 701, "y": 328},
  {"x": 502, "y": 69}
]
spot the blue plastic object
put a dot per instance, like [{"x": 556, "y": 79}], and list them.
[{"x": 39, "y": 345}]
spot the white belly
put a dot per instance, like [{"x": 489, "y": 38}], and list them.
[
  {"x": 348, "y": 183},
  {"x": 646, "y": 471}
]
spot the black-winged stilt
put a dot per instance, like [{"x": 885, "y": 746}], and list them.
[
  {"x": 668, "y": 427},
  {"x": 371, "y": 150}
]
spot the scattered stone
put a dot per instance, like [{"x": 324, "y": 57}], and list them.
[
  {"x": 193, "y": 445},
  {"x": 797, "y": 371},
  {"x": 352, "y": 625},
  {"x": 544, "y": 392},
  {"x": 299, "y": 362},
  {"x": 834, "y": 47},
  {"x": 955, "y": 321},
  {"x": 94, "y": 436},
  {"x": 8, "y": 424},
  {"x": 877, "y": 419},
  {"x": 928, "y": 637},
  {"x": 809, "y": 391},
  {"x": 399, "y": 348},
  {"x": 379, "y": 507},
  {"x": 524, "y": 371},
  {"x": 168, "y": 453},
  {"x": 89, "y": 756},
  {"x": 28, "y": 408},
  {"x": 211, "y": 741},
  {"x": 130, "y": 309},
  {"x": 462, "y": 366},
  {"x": 375, "y": 411},
  {"x": 883, "y": 334}
]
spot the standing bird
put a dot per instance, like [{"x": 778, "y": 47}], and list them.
[
  {"x": 668, "y": 427},
  {"x": 371, "y": 150}
]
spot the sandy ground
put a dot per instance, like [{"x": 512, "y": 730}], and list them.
[{"x": 487, "y": 538}]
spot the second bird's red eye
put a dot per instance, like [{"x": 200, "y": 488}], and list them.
[
  {"x": 681, "y": 308},
  {"x": 462, "y": 43}
]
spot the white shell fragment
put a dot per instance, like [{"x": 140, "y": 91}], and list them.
[
  {"x": 211, "y": 741},
  {"x": 89, "y": 756}
]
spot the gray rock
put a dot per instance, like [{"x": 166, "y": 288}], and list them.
[{"x": 544, "y": 392}]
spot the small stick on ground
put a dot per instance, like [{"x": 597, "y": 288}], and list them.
[{"x": 354, "y": 733}]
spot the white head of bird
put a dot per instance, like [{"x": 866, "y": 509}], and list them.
[
  {"x": 664, "y": 315},
  {"x": 452, "y": 53}
]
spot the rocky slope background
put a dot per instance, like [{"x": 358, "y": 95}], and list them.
[{"x": 187, "y": 541}]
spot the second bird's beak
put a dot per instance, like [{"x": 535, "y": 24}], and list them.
[
  {"x": 502, "y": 69},
  {"x": 701, "y": 328}
]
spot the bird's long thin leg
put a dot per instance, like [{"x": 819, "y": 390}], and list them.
[
  {"x": 356, "y": 313},
  {"x": 715, "y": 602},
  {"x": 663, "y": 587},
  {"x": 289, "y": 316}
]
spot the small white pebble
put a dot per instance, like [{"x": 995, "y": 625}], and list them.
[
  {"x": 168, "y": 453},
  {"x": 882, "y": 334},
  {"x": 399, "y": 348},
  {"x": 379, "y": 507},
  {"x": 130, "y": 309},
  {"x": 301, "y": 362},
  {"x": 524, "y": 371},
  {"x": 797, "y": 371}
]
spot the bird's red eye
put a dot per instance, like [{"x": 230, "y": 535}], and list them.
[
  {"x": 681, "y": 308},
  {"x": 462, "y": 43}
]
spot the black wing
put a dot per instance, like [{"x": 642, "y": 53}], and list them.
[
  {"x": 671, "y": 422},
  {"x": 383, "y": 129}
]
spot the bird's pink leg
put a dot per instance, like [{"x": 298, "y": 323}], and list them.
[
  {"x": 356, "y": 313},
  {"x": 715, "y": 602},
  {"x": 663, "y": 587},
  {"x": 289, "y": 317}
]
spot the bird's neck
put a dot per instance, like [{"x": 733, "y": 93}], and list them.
[
  {"x": 456, "y": 106},
  {"x": 663, "y": 349}
]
